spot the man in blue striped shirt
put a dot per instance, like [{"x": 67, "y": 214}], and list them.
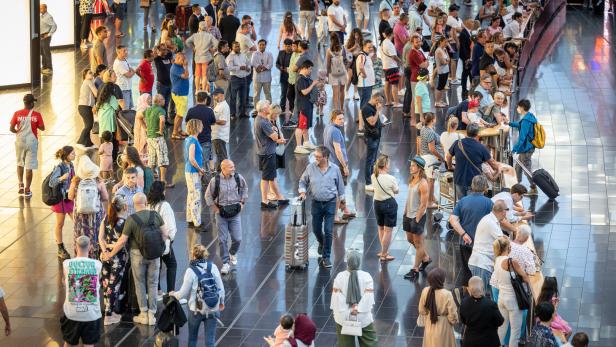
[{"x": 323, "y": 180}]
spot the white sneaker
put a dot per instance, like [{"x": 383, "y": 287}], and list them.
[
  {"x": 225, "y": 268},
  {"x": 369, "y": 188},
  {"x": 142, "y": 318},
  {"x": 183, "y": 301},
  {"x": 456, "y": 81},
  {"x": 113, "y": 319},
  {"x": 309, "y": 146},
  {"x": 151, "y": 318},
  {"x": 233, "y": 258},
  {"x": 301, "y": 150}
]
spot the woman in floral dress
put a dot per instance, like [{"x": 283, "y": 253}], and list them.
[{"x": 114, "y": 268}]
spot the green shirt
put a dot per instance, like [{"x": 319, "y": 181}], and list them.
[
  {"x": 106, "y": 116},
  {"x": 152, "y": 116},
  {"x": 132, "y": 229},
  {"x": 293, "y": 75}
]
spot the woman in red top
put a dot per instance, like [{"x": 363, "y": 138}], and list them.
[{"x": 145, "y": 73}]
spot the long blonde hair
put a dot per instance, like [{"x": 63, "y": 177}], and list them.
[{"x": 500, "y": 246}]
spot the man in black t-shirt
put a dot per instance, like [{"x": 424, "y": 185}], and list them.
[
  {"x": 228, "y": 25},
  {"x": 205, "y": 114},
  {"x": 304, "y": 88},
  {"x": 162, "y": 62},
  {"x": 372, "y": 134},
  {"x": 460, "y": 111},
  {"x": 384, "y": 24}
]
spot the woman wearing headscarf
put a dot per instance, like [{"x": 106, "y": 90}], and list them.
[
  {"x": 304, "y": 332},
  {"x": 439, "y": 312},
  {"x": 89, "y": 212},
  {"x": 140, "y": 130},
  {"x": 353, "y": 298}
]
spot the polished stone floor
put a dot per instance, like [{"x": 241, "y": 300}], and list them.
[{"x": 573, "y": 97}]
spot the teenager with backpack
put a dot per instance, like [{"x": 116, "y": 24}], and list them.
[
  {"x": 61, "y": 177},
  {"x": 206, "y": 296},
  {"x": 525, "y": 146},
  {"x": 226, "y": 194},
  {"x": 146, "y": 233},
  {"x": 90, "y": 195}
]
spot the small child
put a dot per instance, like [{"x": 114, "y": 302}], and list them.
[
  {"x": 322, "y": 94},
  {"x": 105, "y": 151},
  {"x": 322, "y": 29},
  {"x": 158, "y": 154},
  {"x": 282, "y": 332}
]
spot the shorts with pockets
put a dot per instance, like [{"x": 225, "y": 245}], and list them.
[
  {"x": 392, "y": 75},
  {"x": 267, "y": 165},
  {"x": 410, "y": 225},
  {"x": 386, "y": 212},
  {"x": 88, "y": 332},
  {"x": 362, "y": 9},
  {"x": 119, "y": 10},
  {"x": 158, "y": 154},
  {"x": 26, "y": 153}
]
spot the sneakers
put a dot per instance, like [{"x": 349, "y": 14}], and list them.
[
  {"x": 369, "y": 188},
  {"x": 28, "y": 193},
  {"x": 309, "y": 146},
  {"x": 225, "y": 268},
  {"x": 233, "y": 259},
  {"x": 268, "y": 206},
  {"x": 424, "y": 264},
  {"x": 63, "y": 254},
  {"x": 142, "y": 318},
  {"x": 456, "y": 81},
  {"x": 151, "y": 318},
  {"x": 113, "y": 319},
  {"x": 183, "y": 301},
  {"x": 301, "y": 150},
  {"x": 412, "y": 275}
]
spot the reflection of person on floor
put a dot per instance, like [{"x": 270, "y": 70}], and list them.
[{"x": 5, "y": 314}]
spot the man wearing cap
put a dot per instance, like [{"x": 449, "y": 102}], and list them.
[
  {"x": 221, "y": 129},
  {"x": 25, "y": 124},
  {"x": 48, "y": 28},
  {"x": 469, "y": 154}
]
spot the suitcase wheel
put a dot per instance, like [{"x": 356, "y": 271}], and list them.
[{"x": 438, "y": 216}]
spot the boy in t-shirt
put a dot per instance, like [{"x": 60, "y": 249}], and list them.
[{"x": 157, "y": 146}]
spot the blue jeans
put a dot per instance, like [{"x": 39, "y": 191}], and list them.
[
  {"x": 238, "y": 94},
  {"x": 206, "y": 150},
  {"x": 194, "y": 323},
  {"x": 485, "y": 275},
  {"x": 372, "y": 150},
  {"x": 127, "y": 95},
  {"x": 364, "y": 95},
  {"x": 229, "y": 227},
  {"x": 323, "y": 213}
]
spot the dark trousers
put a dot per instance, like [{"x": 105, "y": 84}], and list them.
[
  {"x": 86, "y": 19},
  {"x": 247, "y": 89},
  {"x": 220, "y": 148},
  {"x": 372, "y": 150},
  {"x": 284, "y": 86},
  {"x": 323, "y": 213},
  {"x": 238, "y": 94},
  {"x": 466, "y": 73},
  {"x": 165, "y": 91},
  {"x": 116, "y": 149},
  {"x": 88, "y": 121},
  {"x": 465, "y": 253},
  {"x": 291, "y": 96},
  {"x": 365, "y": 93},
  {"x": 172, "y": 267},
  {"x": 46, "y": 53},
  {"x": 408, "y": 94}
]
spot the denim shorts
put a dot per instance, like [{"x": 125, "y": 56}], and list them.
[{"x": 206, "y": 149}]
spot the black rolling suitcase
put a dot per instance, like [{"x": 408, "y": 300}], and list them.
[{"x": 542, "y": 179}]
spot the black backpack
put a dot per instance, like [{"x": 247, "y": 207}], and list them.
[
  {"x": 216, "y": 190},
  {"x": 150, "y": 240},
  {"x": 52, "y": 195}
]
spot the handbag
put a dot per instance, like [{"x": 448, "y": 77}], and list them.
[
  {"x": 351, "y": 327},
  {"x": 522, "y": 295},
  {"x": 421, "y": 320}
]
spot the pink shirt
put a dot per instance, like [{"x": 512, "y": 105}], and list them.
[
  {"x": 401, "y": 35},
  {"x": 280, "y": 335}
]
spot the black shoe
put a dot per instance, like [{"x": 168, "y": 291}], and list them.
[
  {"x": 201, "y": 229},
  {"x": 320, "y": 249},
  {"x": 283, "y": 202},
  {"x": 412, "y": 275},
  {"x": 233, "y": 116},
  {"x": 63, "y": 254},
  {"x": 268, "y": 206},
  {"x": 424, "y": 264},
  {"x": 243, "y": 116},
  {"x": 190, "y": 224},
  {"x": 326, "y": 263},
  {"x": 289, "y": 125},
  {"x": 254, "y": 113}
]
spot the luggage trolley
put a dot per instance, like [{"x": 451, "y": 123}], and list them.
[{"x": 447, "y": 193}]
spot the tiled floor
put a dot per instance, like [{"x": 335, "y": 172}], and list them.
[{"x": 573, "y": 97}]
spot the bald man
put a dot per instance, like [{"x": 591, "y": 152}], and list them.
[
  {"x": 226, "y": 194},
  {"x": 145, "y": 262}
]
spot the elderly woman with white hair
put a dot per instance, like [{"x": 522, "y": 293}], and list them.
[
  {"x": 520, "y": 252},
  {"x": 481, "y": 317},
  {"x": 352, "y": 300},
  {"x": 90, "y": 196}
]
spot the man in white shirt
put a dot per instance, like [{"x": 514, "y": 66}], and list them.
[
  {"x": 247, "y": 48},
  {"x": 48, "y": 27},
  {"x": 124, "y": 73},
  {"x": 515, "y": 212},
  {"x": 262, "y": 63},
  {"x": 391, "y": 69},
  {"x": 512, "y": 30},
  {"x": 220, "y": 130},
  {"x": 239, "y": 68},
  {"x": 336, "y": 20},
  {"x": 515, "y": 6},
  {"x": 481, "y": 262}
]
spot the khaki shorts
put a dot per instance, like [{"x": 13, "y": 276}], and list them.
[
  {"x": 158, "y": 154},
  {"x": 26, "y": 153},
  {"x": 362, "y": 9}
]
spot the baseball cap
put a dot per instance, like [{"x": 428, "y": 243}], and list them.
[
  {"x": 454, "y": 7},
  {"x": 419, "y": 161},
  {"x": 473, "y": 103},
  {"x": 29, "y": 98},
  {"x": 218, "y": 90}
]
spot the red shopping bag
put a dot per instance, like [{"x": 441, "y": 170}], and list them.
[{"x": 303, "y": 121}]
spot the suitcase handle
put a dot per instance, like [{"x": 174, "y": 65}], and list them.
[{"x": 303, "y": 214}]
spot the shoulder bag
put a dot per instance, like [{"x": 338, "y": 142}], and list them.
[
  {"x": 461, "y": 147},
  {"x": 522, "y": 295}
]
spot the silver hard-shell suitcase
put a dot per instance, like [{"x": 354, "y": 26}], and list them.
[{"x": 296, "y": 238}]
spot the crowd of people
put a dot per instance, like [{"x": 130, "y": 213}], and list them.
[{"x": 123, "y": 225}]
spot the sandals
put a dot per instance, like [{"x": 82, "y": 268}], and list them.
[
  {"x": 341, "y": 221},
  {"x": 387, "y": 258},
  {"x": 177, "y": 137}
]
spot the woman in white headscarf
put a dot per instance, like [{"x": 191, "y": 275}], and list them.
[
  {"x": 353, "y": 299},
  {"x": 90, "y": 196},
  {"x": 140, "y": 131}
]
